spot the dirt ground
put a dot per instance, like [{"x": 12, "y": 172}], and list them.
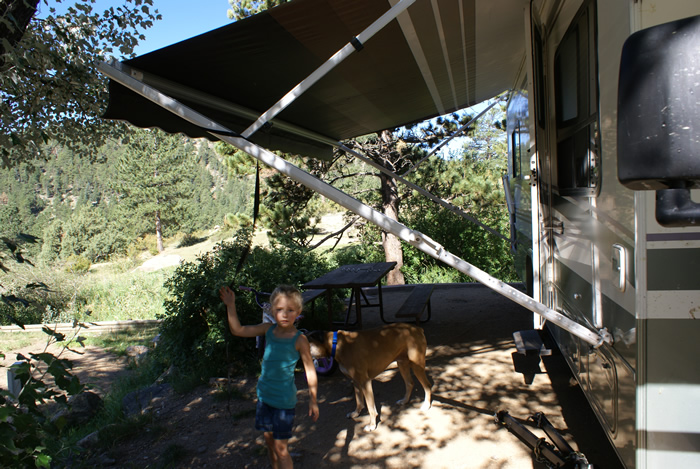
[{"x": 471, "y": 358}]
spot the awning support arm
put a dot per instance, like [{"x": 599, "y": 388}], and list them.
[
  {"x": 214, "y": 102},
  {"x": 329, "y": 65},
  {"x": 413, "y": 237}
]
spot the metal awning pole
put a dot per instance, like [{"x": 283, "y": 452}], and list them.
[
  {"x": 330, "y": 64},
  {"x": 413, "y": 237},
  {"x": 187, "y": 93}
]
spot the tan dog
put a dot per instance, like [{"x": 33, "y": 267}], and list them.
[{"x": 362, "y": 355}]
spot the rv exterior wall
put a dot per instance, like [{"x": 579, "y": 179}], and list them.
[{"x": 639, "y": 387}]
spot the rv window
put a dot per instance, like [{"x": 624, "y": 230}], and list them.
[
  {"x": 567, "y": 78},
  {"x": 576, "y": 106},
  {"x": 539, "y": 79},
  {"x": 515, "y": 142}
]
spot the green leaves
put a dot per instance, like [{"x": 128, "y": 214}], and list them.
[
  {"x": 27, "y": 435},
  {"x": 48, "y": 72},
  {"x": 194, "y": 329},
  {"x": 244, "y": 8}
]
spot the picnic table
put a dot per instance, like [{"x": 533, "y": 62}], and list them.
[{"x": 355, "y": 277}]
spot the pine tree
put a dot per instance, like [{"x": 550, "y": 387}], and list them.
[{"x": 155, "y": 179}]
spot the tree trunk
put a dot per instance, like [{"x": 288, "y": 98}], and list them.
[
  {"x": 22, "y": 12},
  {"x": 159, "y": 233},
  {"x": 392, "y": 244}
]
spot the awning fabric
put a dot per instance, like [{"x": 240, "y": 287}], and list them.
[{"x": 437, "y": 57}]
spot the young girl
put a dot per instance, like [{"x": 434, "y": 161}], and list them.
[{"x": 284, "y": 344}]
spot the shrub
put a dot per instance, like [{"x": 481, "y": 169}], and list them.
[
  {"x": 28, "y": 437},
  {"x": 146, "y": 243},
  {"x": 77, "y": 264},
  {"x": 190, "y": 239},
  {"x": 194, "y": 332},
  {"x": 365, "y": 252},
  {"x": 36, "y": 302}
]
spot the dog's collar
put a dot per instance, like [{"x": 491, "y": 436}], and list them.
[{"x": 335, "y": 343}]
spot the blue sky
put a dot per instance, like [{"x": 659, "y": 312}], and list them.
[{"x": 182, "y": 19}]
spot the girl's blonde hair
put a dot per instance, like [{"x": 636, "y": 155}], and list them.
[{"x": 291, "y": 292}]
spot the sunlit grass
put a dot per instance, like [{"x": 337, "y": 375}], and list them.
[
  {"x": 18, "y": 340},
  {"x": 127, "y": 296},
  {"x": 117, "y": 342}
]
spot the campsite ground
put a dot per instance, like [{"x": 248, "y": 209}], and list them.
[{"x": 470, "y": 361}]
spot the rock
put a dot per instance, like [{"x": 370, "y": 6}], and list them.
[
  {"x": 136, "y": 350},
  {"x": 81, "y": 408},
  {"x": 144, "y": 400},
  {"x": 136, "y": 354},
  {"x": 90, "y": 440},
  {"x": 166, "y": 374}
]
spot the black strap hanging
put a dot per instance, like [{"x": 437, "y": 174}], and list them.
[{"x": 256, "y": 210}]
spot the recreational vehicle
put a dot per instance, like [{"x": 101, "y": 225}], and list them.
[
  {"x": 603, "y": 125},
  {"x": 603, "y": 130}
]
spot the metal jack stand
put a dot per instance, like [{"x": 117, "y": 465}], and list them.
[{"x": 559, "y": 455}]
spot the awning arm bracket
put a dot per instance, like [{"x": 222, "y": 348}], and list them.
[
  {"x": 413, "y": 237},
  {"x": 328, "y": 65}
]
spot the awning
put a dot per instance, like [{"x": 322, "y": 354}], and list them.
[{"x": 437, "y": 57}]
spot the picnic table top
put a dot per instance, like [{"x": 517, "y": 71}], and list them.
[{"x": 352, "y": 276}]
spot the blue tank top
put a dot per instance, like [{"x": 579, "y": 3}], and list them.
[{"x": 276, "y": 386}]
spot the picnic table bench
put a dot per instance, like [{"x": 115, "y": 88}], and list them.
[{"x": 416, "y": 302}]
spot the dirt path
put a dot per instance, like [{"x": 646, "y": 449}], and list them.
[
  {"x": 91, "y": 364},
  {"x": 470, "y": 361}
]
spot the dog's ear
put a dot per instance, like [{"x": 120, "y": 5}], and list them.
[{"x": 317, "y": 336}]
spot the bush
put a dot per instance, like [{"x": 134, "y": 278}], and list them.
[
  {"x": 358, "y": 254},
  {"x": 28, "y": 437},
  {"x": 194, "y": 332},
  {"x": 77, "y": 264},
  {"x": 146, "y": 243},
  {"x": 48, "y": 300},
  {"x": 190, "y": 239}
]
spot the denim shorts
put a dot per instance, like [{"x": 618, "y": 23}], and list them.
[{"x": 277, "y": 421}]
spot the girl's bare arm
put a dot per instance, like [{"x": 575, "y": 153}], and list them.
[
  {"x": 234, "y": 324},
  {"x": 302, "y": 345}
]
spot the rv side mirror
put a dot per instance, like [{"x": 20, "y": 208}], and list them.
[{"x": 658, "y": 126}]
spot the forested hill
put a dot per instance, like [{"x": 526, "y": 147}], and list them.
[{"x": 95, "y": 204}]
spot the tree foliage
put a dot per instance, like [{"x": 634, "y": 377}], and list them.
[
  {"x": 471, "y": 181},
  {"x": 70, "y": 205},
  {"x": 154, "y": 178},
  {"x": 194, "y": 331},
  {"x": 291, "y": 211},
  {"x": 244, "y": 8},
  {"x": 49, "y": 83},
  {"x": 29, "y": 437}
]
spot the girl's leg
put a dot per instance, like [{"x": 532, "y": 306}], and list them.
[
  {"x": 282, "y": 456},
  {"x": 272, "y": 454}
]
